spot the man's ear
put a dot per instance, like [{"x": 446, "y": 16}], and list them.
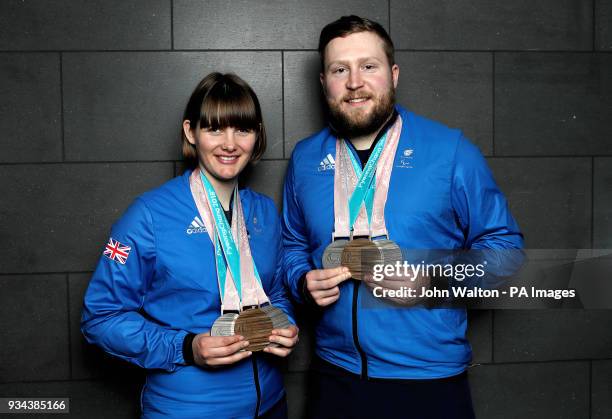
[
  {"x": 188, "y": 132},
  {"x": 395, "y": 74},
  {"x": 322, "y": 81}
]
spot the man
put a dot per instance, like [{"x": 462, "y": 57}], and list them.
[{"x": 431, "y": 189}]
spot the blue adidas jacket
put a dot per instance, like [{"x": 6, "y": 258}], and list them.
[
  {"x": 441, "y": 196},
  {"x": 142, "y": 310}
]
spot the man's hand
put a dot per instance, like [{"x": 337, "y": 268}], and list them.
[
  {"x": 322, "y": 284},
  {"x": 215, "y": 351},
  {"x": 287, "y": 338}
]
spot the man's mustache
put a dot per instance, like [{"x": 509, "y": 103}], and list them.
[{"x": 357, "y": 95}]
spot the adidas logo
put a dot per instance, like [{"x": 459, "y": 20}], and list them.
[
  {"x": 328, "y": 163},
  {"x": 196, "y": 226}
]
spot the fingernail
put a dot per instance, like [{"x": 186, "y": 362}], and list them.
[
  {"x": 240, "y": 337},
  {"x": 245, "y": 344}
]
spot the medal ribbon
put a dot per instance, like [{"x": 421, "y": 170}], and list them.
[
  {"x": 371, "y": 186},
  {"x": 232, "y": 251},
  {"x": 366, "y": 183},
  {"x": 227, "y": 252}
]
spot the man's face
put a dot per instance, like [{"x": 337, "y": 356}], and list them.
[{"x": 359, "y": 83}]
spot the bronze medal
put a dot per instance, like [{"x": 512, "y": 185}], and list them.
[{"x": 361, "y": 255}]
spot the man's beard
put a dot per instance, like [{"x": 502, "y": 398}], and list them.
[{"x": 359, "y": 124}]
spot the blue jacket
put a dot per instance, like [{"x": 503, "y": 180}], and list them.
[
  {"x": 441, "y": 196},
  {"x": 141, "y": 311}
]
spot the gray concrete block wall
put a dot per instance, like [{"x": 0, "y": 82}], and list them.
[
  {"x": 602, "y": 217},
  {"x": 454, "y": 88},
  {"x": 91, "y": 97},
  {"x": 601, "y": 389},
  {"x": 493, "y": 25},
  {"x": 93, "y": 25},
  {"x": 272, "y": 25},
  {"x": 557, "y": 390},
  {"x": 563, "y": 99},
  {"x": 603, "y": 25},
  {"x": 31, "y": 107},
  {"x": 536, "y": 185}
]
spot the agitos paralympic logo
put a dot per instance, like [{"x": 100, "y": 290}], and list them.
[{"x": 406, "y": 159}]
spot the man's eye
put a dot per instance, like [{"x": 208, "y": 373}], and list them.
[
  {"x": 369, "y": 67},
  {"x": 340, "y": 70}
]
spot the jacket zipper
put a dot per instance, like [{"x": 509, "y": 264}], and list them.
[
  {"x": 362, "y": 355},
  {"x": 257, "y": 388}
]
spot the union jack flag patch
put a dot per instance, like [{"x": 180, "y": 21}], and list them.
[{"x": 117, "y": 251}]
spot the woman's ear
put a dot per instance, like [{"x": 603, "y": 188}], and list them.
[{"x": 189, "y": 134}]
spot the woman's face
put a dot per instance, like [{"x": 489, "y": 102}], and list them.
[{"x": 224, "y": 152}]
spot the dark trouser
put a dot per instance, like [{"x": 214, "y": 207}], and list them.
[
  {"x": 278, "y": 411},
  {"x": 336, "y": 393}
]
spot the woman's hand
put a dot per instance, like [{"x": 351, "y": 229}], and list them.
[
  {"x": 215, "y": 351},
  {"x": 286, "y": 339}
]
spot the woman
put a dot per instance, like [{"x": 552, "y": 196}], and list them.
[{"x": 169, "y": 271}]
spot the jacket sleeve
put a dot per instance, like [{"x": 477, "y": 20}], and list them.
[
  {"x": 480, "y": 206},
  {"x": 296, "y": 259},
  {"x": 483, "y": 214},
  {"x": 111, "y": 312}
]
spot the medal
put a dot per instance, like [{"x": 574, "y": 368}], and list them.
[
  {"x": 358, "y": 254},
  {"x": 361, "y": 255},
  {"x": 224, "y": 325},
  {"x": 389, "y": 253},
  {"x": 255, "y": 324},
  {"x": 333, "y": 254}
]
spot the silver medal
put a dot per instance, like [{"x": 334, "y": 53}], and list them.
[{"x": 332, "y": 256}]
